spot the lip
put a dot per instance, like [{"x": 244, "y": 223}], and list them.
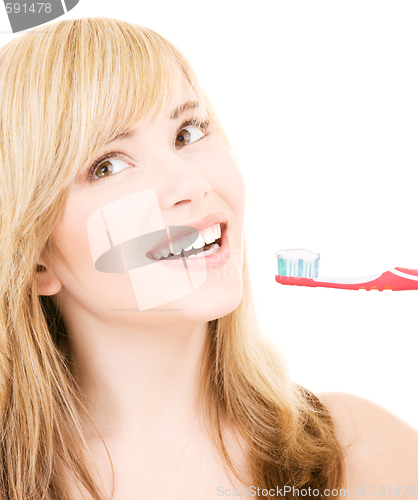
[{"x": 188, "y": 228}]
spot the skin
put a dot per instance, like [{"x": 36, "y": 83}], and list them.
[
  {"x": 139, "y": 370},
  {"x": 385, "y": 449}
]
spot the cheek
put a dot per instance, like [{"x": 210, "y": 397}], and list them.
[
  {"x": 71, "y": 237},
  {"x": 226, "y": 180},
  {"x": 75, "y": 268}
]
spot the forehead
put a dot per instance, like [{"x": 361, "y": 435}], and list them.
[
  {"x": 179, "y": 102},
  {"x": 180, "y": 98}
]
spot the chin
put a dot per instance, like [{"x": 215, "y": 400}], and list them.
[{"x": 211, "y": 300}]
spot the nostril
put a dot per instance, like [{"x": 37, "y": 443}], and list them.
[{"x": 181, "y": 202}]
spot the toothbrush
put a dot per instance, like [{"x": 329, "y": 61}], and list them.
[{"x": 300, "y": 267}]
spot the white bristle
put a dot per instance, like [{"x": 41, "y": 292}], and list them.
[{"x": 297, "y": 262}]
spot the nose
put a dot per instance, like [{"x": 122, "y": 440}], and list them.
[{"x": 179, "y": 179}]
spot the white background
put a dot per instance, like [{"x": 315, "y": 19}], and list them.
[{"x": 319, "y": 99}]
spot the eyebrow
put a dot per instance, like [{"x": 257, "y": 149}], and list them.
[
  {"x": 173, "y": 116},
  {"x": 181, "y": 109}
]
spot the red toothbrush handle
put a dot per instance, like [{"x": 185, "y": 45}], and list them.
[{"x": 399, "y": 278}]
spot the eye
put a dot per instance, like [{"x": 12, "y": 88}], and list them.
[
  {"x": 108, "y": 168},
  {"x": 187, "y": 135}
]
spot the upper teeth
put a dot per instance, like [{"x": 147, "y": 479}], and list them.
[{"x": 206, "y": 236}]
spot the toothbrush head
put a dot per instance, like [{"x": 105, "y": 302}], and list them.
[{"x": 299, "y": 263}]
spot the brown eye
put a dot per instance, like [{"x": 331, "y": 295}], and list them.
[
  {"x": 183, "y": 137},
  {"x": 108, "y": 168},
  {"x": 188, "y": 135},
  {"x": 105, "y": 169}
]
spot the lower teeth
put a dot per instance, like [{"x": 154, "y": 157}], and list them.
[{"x": 212, "y": 249}]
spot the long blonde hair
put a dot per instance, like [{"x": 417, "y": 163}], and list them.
[{"x": 67, "y": 89}]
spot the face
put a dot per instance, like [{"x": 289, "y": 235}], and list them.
[{"x": 164, "y": 189}]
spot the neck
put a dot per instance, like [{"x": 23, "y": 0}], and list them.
[{"x": 139, "y": 381}]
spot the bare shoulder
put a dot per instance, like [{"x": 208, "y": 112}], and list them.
[{"x": 382, "y": 448}]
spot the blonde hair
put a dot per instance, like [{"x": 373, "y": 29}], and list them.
[{"x": 67, "y": 89}]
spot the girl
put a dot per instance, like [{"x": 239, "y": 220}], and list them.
[{"x": 132, "y": 365}]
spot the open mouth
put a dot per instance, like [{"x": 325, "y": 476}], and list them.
[{"x": 185, "y": 249}]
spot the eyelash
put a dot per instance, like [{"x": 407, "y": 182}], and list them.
[{"x": 203, "y": 125}]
